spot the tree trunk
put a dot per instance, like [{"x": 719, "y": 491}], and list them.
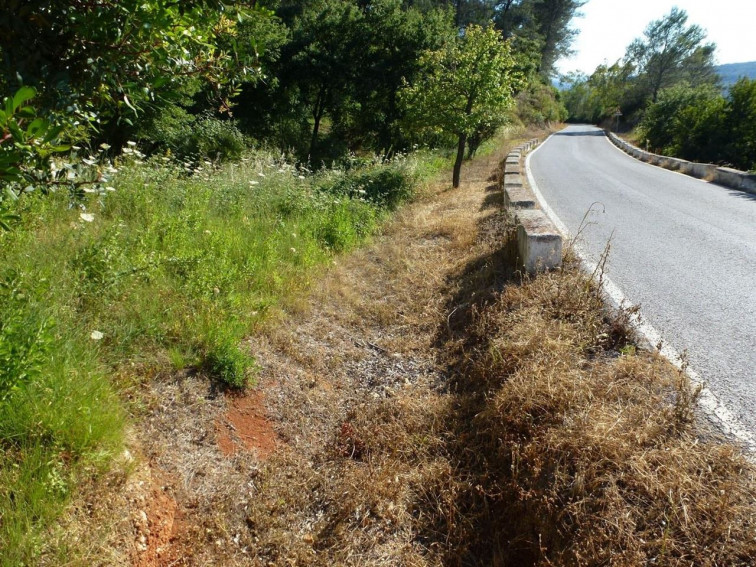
[
  {"x": 317, "y": 115},
  {"x": 315, "y": 129},
  {"x": 458, "y": 162}
]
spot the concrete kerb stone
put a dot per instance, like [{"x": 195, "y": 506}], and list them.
[
  {"x": 538, "y": 241},
  {"x": 732, "y": 178},
  {"x": 518, "y": 197},
  {"x": 512, "y": 179}
]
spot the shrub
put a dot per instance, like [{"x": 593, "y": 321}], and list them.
[
  {"x": 741, "y": 125},
  {"x": 227, "y": 362},
  {"x": 686, "y": 122},
  {"x": 540, "y": 105},
  {"x": 186, "y": 135},
  {"x": 386, "y": 185}
]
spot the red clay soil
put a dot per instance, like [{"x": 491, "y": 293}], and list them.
[
  {"x": 245, "y": 426},
  {"x": 156, "y": 529}
]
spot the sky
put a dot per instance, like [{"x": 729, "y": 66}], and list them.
[{"x": 608, "y": 26}]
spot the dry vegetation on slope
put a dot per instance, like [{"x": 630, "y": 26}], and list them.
[{"x": 427, "y": 406}]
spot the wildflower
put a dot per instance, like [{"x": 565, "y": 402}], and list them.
[
  {"x": 109, "y": 188},
  {"x": 105, "y": 146},
  {"x": 261, "y": 174},
  {"x": 254, "y": 183},
  {"x": 87, "y": 217},
  {"x": 96, "y": 335},
  {"x": 132, "y": 144},
  {"x": 293, "y": 250}
]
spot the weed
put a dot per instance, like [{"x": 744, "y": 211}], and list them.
[{"x": 227, "y": 362}]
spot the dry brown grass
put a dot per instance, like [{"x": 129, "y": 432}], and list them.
[
  {"x": 592, "y": 453},
  {"x": 434, "y": 408}
]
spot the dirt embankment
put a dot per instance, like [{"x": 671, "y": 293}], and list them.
[{"x": 427, "y": 406}]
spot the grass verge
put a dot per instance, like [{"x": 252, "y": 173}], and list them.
[{"x": 172, "y": 267}]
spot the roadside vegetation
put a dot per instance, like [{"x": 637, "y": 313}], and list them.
[
  {"x": 170, "y": 268},
  {"x": 172, "y": 173},
  {"x": 667, "y": 91},
  {"x": 244, "y": 318},
  {"x": 434, "y": 407}
]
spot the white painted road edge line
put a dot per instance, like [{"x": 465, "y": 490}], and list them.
[{"x": 709, "y": 403}]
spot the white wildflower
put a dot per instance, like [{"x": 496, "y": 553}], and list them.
[
  {"x": 86, "y": 217},
  {"x": 96, "y": 335}
]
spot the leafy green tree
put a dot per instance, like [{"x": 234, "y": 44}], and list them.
[
  {"x": 740, "y": 125},
  {"x": 394, "y": 39},
  {"x": 553, "y": 18},
  {"x": 318, "y": 64},
  {"x": 686, "y": 122},
  {"x": 577, "y": 97},
  {"x": 542, "y": 26},
  {"x": 671, "y": 52},
  {"x": 103, "y": 61},
  {"x": 340, "y": 75},
  {"x": 467, "y": 86}
]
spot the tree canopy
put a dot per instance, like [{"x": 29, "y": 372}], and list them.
[
  {"x": 204, "y": 78},
  {"x": 467, "y": 86},
  {"x": 671, "y": 52}
]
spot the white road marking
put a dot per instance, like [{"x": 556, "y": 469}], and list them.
[{"x": 708, "y": 401}]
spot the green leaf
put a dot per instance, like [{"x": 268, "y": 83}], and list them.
[
  {"x": 37, "y": 127},
  {"x": 22, "y": 95}
]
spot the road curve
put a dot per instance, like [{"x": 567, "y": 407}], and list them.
[{"x": 681, "y": 248}]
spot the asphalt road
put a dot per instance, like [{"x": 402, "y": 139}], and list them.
[{"x": 684, "y": 249}]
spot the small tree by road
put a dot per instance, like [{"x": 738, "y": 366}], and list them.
[{"x": 467, "y": 87}]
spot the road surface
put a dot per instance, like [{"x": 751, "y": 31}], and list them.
[{"x": 684, "y": 249}]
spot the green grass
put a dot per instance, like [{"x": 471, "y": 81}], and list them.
[{"x": 171, "y": 269}]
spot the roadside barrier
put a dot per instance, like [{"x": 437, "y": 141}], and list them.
[
  {"x": 732, "y": 178},
  {"x": 539, "y": 243}
]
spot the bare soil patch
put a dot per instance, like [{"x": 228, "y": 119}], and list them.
[{"x": 245, "y": 426}]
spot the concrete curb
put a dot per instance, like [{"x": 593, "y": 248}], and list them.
[
  {"x": 732, "y": 178},
  {"x": 539, "y": 243}
]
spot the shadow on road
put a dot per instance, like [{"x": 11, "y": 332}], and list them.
[{"x": 581, "y": 133}]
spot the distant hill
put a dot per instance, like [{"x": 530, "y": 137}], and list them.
[{"x": 731, "y": 72}]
